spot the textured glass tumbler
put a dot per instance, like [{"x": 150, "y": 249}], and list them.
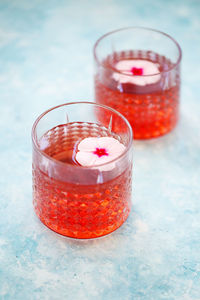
[
  {"x": 137, "y": 72},
  {"x": 75, "y": 200}
]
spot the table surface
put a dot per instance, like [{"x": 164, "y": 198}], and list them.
[{"x": 46, "y": 59}]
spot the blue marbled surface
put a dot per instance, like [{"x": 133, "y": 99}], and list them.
[{"x": 46, "y": 59}]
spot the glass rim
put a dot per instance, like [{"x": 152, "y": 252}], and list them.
[
  {"x": 140, "y": 28},
  {"x": 41, "y": 152}
]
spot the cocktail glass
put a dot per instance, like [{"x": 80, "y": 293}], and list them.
[
  {"x": 137, "y": 72},
  {"x": 75, "y": 200}
]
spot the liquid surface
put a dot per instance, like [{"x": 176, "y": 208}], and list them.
[
  {"x": 153, "y": 109},
  {"x": 78, "y": 210}
]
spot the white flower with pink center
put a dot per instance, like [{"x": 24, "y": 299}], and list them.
[
  {"x": 94, "y": 151},
  {"x": 140, "y": 72}
]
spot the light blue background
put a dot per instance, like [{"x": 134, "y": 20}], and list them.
[{"x": 46, "y": 59}]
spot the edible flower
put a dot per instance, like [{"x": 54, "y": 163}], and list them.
[
  {"x": 141, "y": 72},
  {"x": 93, "y": 151}
]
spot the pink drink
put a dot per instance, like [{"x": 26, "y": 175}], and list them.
[
  {"x": 70, "y": 199},
  {"x": 150, "y": 102}
]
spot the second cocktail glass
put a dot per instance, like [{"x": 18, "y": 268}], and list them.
[{"x": 137, "y": 72}]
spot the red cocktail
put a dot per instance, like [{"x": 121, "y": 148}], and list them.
[
  {"x": 143, "y": 84},
  {"x": 77, "y": 192}
]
